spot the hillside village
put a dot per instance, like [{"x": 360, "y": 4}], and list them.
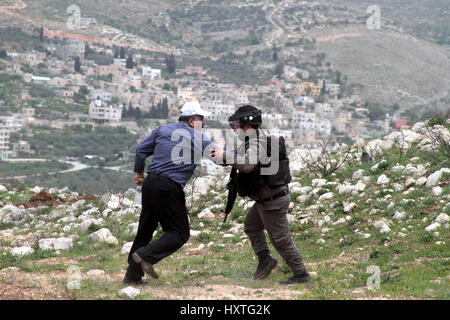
[
  {"x": 360, "y": 111},
  {"x": 110, "y": 87}
]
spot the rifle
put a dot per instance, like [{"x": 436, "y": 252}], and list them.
[{"x": 232, "y": 193}]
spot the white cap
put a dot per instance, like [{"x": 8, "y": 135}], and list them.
[{"x": 192, "y": 108}]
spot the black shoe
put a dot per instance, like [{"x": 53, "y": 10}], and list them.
[
  {"x": 265, "y": 267},
  {"x": 297, "y": 279},
  {"x": 140, "y": 281},
  {"x": 147, "y": 267}
]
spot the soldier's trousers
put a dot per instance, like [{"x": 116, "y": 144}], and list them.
[{"x": 272, "y": 217}]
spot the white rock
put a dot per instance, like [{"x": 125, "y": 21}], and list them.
[
  {"x": 434, "y": 178},
  {"x": 106, "y": 213},
  {"x": 195, "y": 233},
  {"x": 56, "y": 244},
  {"x": 305, "y": 190},
  {"x": 437, "y": 191},
  {"x": 440, "y": 242},
  {"x": 398, "y": 168},
  {"x": 383, "y": 179},
  {"x": 126, "y": 248},
  {"x": 129, "y": 292},
  {"x": 132, "y": 228},
  {"x": 112, "y": 240},
  {"x": 418, "y": 127},
  {"x": 397, "y": 187},
  {"x": 379, "y": 224},
  {"x": 360, "y": 186},
  {"x": 84, "y": 226},
  {"x": 3, "y": 188},
  {"x": 442, "y": 218},
  {"x": 384, "y": 229},
  {"x": 349, "y": 207},
  {"x": 291, "y": 218},
  {"x": 206, "y": 214},
  {"x": 321, "y": 241},
  {"x": 357, "y": 174},
  {"x": 326, "y": 196},
  {"x": 433, "y": 226},
  {"x": 100, "y": 235},
  {"x": 339, "y": 221},
  {"x": 13, "y": 212},
  {"x": 366, "y": 235},
  {"x": 234, "y": 230},
  {"x": 114, "y": 202},
  {"x": 302, "y": 198},
  {"x": 21, "y": 251},
  {"x": 318, "y": 183},
  {"x": 411, "y": 136},
  {"x": 399, "y": 215},
  {"x": 228, "y": 235},
  {"x": 325, "y": 230},
  {"x": 409, "y": 182},
  {"x": 345, "y": 189},
  {"x": 95, "y": 273},
  {"x": 421, "y": 181}
]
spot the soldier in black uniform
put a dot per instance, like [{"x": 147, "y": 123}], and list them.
[{"x": 271, "y": 195}]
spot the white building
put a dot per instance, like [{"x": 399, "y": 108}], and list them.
[
  {"x": 219, "y": 111},
  {"x": 4, "y": 142},
  {"x": 71, "y": 48},
  {"x": 101, "y": 95},
  {"x": 299, "y": 116},
  {"x": 41, "y": 80},
  {"x": 153, "y": 74},
  {"x": 287, "y": 134},
  {"x": 101, "y": 112},
  {"x": 324, "y": 109},
  {"x": 12, "y": 123},
  {"x": 332, "y": 88},
  {"x": 305, "y": 100}
]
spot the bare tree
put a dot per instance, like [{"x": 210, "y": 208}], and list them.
[{"x": 326, "y": 162}]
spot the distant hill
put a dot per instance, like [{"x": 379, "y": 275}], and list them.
[{"x": 406, "y": 62}]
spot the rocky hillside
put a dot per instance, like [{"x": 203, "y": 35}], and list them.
[{"x": 386, "y": 219}]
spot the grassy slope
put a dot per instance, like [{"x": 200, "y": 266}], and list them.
[{"x": 412, "y": 267}]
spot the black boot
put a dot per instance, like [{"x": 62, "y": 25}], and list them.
[
  {"x": 147, "y": 267},
  {"x": 134, "y": 280},
  {"x": 305, "y": 278},
  {"x": 265, "y": 265}
]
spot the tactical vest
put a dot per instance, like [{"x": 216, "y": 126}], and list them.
[{"x": 249, "y": 183}]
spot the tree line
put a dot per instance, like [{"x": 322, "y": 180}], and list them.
[{"x": 160, "y": 111}]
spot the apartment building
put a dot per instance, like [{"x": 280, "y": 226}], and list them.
[{"x": 101, "y": 112}]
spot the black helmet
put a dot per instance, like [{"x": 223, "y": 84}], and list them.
[{"x": 246, "y": 114}]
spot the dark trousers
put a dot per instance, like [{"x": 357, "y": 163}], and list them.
[
  {"x": 163, "y": 201},
  {"x": 272, "y": 217}
]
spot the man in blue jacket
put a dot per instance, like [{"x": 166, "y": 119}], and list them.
[{"x": 176, "y": 149}]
